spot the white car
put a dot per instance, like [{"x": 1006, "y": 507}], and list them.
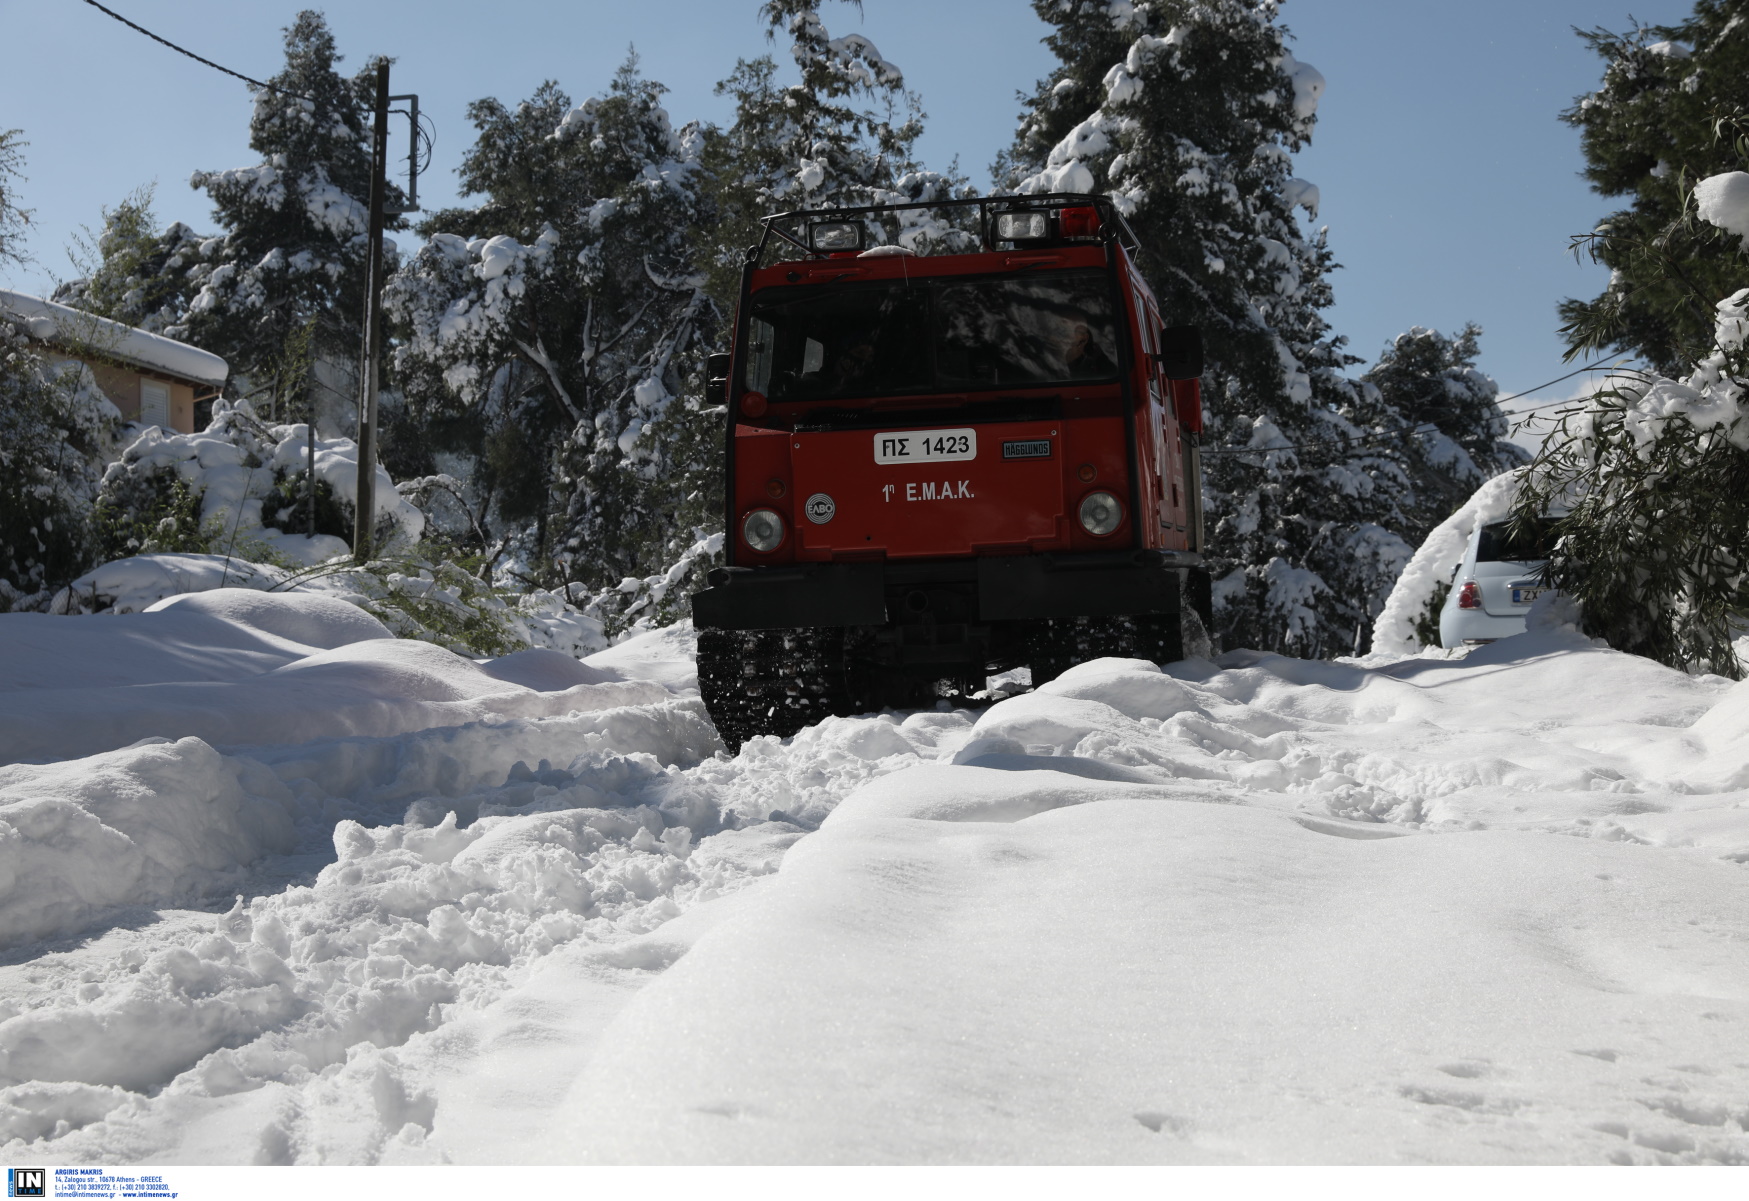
[{"x": 1492, "y": 589}]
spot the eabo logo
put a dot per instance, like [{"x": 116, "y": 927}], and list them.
[{"x": 27, "y": 1182}]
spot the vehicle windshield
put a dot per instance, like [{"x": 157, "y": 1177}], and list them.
[
  {"x": 832, "y": 341},
  {"x": 1496, "y": 546}
]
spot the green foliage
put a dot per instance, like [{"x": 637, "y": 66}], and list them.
[
  {"x": 56, "y": 430},
  {"x": 423, "y": 596},
  {"x": 1671, "y": 109},
  {"x": 1654, "y": 475},
  {"x": 287, "y": 507},
  {"x": 152, "y": 514},
  {"x": 663, "y": 598},
  {"x": 1427, "y": 621}
]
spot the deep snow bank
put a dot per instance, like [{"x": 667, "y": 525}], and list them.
[
  {"x": 333, "y": 1021},
  {"x": 1478, "y": 909},
  {"x": 1280, "y": 912},
  {"x": 1166, "y": 980},
  {"x": 234, "y": 667}
]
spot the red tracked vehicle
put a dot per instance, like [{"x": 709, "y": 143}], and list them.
[{"x": 949, "y": 464}]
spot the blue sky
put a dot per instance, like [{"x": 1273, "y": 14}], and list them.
[{"x": 1449, "y": 185}]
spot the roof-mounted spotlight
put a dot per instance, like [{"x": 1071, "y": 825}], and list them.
[
  {"x": 1023, "y": 225},
  {"x": 835, "y": 237}
]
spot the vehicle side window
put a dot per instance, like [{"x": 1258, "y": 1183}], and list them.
[{"x": 761, "y": 340}]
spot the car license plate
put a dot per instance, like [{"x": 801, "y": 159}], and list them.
[
  {"x": 926, "y": 446},
  {"x": 1523, "y": 596}
]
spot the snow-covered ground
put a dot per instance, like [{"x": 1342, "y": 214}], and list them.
[{"x": 377, "y": 903}]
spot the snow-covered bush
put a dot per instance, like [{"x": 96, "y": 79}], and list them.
[
  {"x": 415, "y": 596},
  {"x": 240, "y": 487},
  {"x": 56, "y": 431},
  {"x": 661, "y": 599},
  {"x": 432, "y": 601}
]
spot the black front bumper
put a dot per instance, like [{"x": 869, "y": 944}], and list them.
[{"x": 994, "y": 588}]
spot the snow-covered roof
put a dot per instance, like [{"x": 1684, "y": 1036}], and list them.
[{"x": 76, "y": 330}]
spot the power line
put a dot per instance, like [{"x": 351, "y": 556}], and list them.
[
  {"x": 191, "y": 54},
  {"x": 1588, "y": 367},
  {"x": 1424, "y": 428}
]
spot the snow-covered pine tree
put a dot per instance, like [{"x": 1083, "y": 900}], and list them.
[
  {"x": 550, "y": 329},
  {"x": 293, "y": 246},
  {"x": 1456, "y": 432},
  {"x": 134, "y": 272},
  {"x": 1187, "y": 113},
  {"x": 1672, "y": 108}
]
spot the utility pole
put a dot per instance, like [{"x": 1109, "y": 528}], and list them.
[{"x": 365, "y": 522}]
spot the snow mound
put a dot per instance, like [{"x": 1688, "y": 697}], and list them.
[
  {"x": 318, "y": 621},
  {"x": 235, "y": 667},
  {"x": 141, "y": 825},
  {"x": 135, "y": 584}
]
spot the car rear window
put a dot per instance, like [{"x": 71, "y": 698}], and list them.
[{"x": 1497, "y": 545}]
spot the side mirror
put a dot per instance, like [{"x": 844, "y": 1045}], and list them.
[
  {"x": 1180, "y": 355},
  {"x": 716, "y": 379}
]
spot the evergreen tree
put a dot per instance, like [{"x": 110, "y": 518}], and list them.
[
  {"x": 1187, "y": 113},
  {"x": 550, "y": 329},
  {"x": 295, "y": 246},
  {"x": 133, "y": 271},
  {"x": 841, "y": 136},
  {"x": 1454, "y": 432},
  {"x": 1672, "y": 108}
]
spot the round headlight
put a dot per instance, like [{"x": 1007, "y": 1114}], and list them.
[
  {"x": 1100, "y": 513},
  {"x": 762, "y": 529}
]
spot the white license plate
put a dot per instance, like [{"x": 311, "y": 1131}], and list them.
[
  {"x": 926, "y": 446},
  {"x": 1523, "y": 596}
]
